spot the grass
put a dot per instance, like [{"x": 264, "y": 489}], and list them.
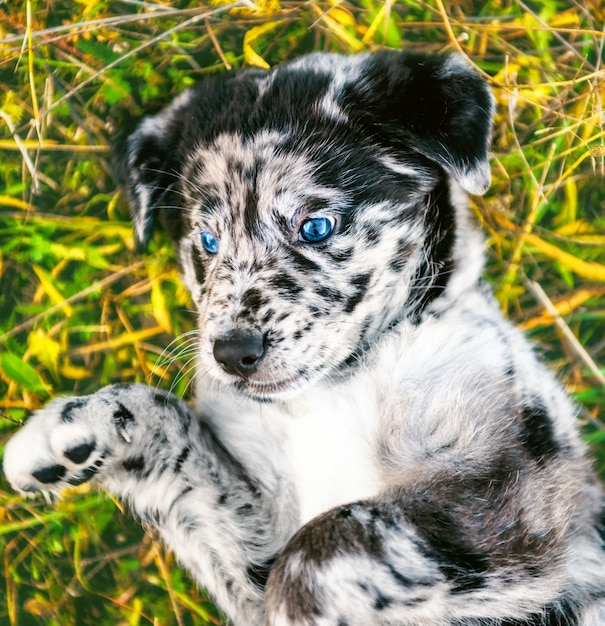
[{"x": 79, "y": 308}]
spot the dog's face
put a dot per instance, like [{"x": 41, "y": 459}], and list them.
[{"x": 311, "y": 205}]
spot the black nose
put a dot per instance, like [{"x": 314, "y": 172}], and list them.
[{"x": 240, "y": 352}]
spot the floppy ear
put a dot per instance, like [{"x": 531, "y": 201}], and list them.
[
  {"x": 434, "y": 105},
  {"x": 147, "y": 166},
  {"x": 150, "y": 159}
]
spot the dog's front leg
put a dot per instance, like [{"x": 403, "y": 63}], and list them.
[{"x": 148, "y": 449}]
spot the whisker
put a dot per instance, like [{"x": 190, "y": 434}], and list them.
[
  {"x": 188, "y": 367},
  {"x": 180, "y": 347}
]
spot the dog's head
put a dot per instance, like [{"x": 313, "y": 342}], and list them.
[{"x": 312, "y": 206}]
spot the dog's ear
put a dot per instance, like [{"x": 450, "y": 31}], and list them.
[
  {"x": 435, "y": 105},
  {"x": 147, "y": 168},
  {"x": 149, "y": 161}
]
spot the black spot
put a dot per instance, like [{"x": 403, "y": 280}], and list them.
[
  {"x": 510, "y": 371},
  {"x": 79, "y": 454},
  {"x": 536, "y": 434},
  {"x": 286, "y": 286},
  {"x": 465, "y": 568},
  {"x": 402, "y": 255},
  {"x": 382, "y": 602},
  {"x": 360, "y": 283},
  {"x": 400, "y": 579},
  {"x": 185, "y": 491},
  {"x": 316, "y": 205},
  {"x": 275, "y": 337},
  {"x": 329, "y": 293},
  {"x": 415, "y": 601},
  {"x": 316, "y": 312},
  {"x": 50, "y": 474},
  {"x": 198, "y": 266},
  {"x": 251, "y": 206},
  {"x": 301, "y": 262},
  {"x": 373, "y": 234},
  {"x": 349, "y": 363},
  {"x": 84, "y": 475},
  {"x": 268, "y": 316},
  {"x": 244, "y": 509},
  {"x": 343, "y": 622},
  {"x": 134, "y": 464},
  {"x": 253, "y": 299},
  {"x": 258, "y": 573},
  {"x": 161, "y": 397},
  {"x": 168, "y": 400},
  {"x": 122, "y": 417},
  {"x": 70, "y": 407},
  {"x": 181, "y": 459}
]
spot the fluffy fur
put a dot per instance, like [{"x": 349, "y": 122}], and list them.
[{"x": 371, "y": 443}]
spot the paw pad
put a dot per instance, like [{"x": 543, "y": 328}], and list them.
[
  {"x": 86, "y": 474},
  {"x": 79, "y": 454},
  {"x": 50, "y": 474}
]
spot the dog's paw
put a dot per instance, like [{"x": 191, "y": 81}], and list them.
[{"x": 69, "y": 442}]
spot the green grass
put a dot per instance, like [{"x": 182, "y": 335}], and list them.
[{"x": 79, "y": 308}]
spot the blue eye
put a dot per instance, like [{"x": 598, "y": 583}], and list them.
[
  {"x": 209, "y": 242},
  {"x": 316, "y": 229}
]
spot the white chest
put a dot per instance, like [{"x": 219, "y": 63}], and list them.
[{"x": 330, "y": 449}]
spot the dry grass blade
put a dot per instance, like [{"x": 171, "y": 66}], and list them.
[{"x": 572, "y": 340}]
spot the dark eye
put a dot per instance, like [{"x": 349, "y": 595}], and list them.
[
  {"x": 209, "y": 242},
  {"x": 316, "y": 229}
]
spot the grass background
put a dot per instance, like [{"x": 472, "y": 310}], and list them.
[{"x": 79, "y": 309}]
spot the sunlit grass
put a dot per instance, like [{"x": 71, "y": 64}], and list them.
[{"x": 79, "y": 308}]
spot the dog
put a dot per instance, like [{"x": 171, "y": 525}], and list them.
[{"x": 371, "y": 442}]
